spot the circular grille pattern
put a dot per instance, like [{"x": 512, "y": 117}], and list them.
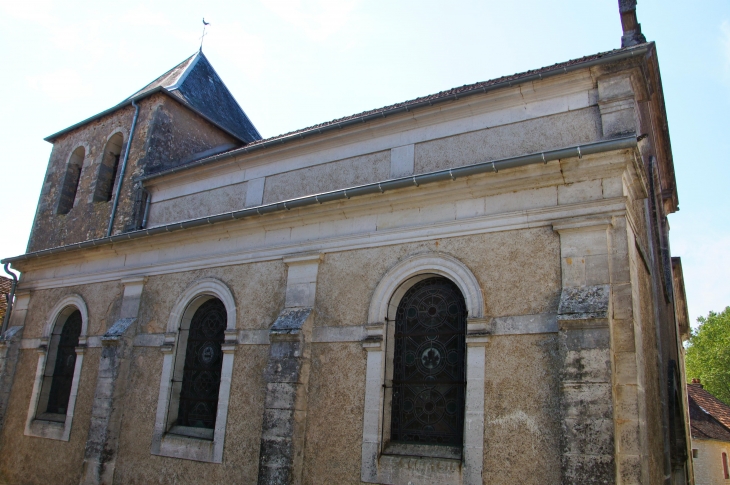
[
  {"x": 202, "y": 371},
  {"x": 428, "y": 360}
]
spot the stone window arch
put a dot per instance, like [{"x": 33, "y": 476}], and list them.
[
  {"x": 60, "y": 359},
  {"x": 70, "y": 183},
  {"x": 106, "y": 177},
  {"x": 382, "y": 457},
  {"x": 196, "y": 375},
  {"x": 425, "y": 365}
]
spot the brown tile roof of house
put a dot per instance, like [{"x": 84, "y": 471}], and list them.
[
  {"x": 5, "y": 284},
  {"x": 709, "y": 417}
]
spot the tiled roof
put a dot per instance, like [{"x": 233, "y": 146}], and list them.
[
  {"x": 709, "y": 417},
  {"x": 451, "y": 94},
  {"x": 5, "y": 284}
]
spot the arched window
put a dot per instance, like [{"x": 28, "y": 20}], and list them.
[
  {"x": 200, "y": 378},
  {"x": 197, "y": 371},
  {"x": 428, "y": 380},
  {"x": 108, "y": 169},
  {"x": 61, "y": 364},
  {"x": 60, "y": 358},
  {"x": 71, "y": 181}
]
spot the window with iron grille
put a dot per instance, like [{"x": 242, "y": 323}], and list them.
[
  {"x": 428, "y": 365},
  {"x": 202, "y": 366}
]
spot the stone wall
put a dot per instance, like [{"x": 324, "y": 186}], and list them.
[
  {"x": 503, "y": 141},
  {"x": 166, "y": 133}
]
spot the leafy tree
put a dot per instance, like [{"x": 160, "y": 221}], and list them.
[{"x": 708, "y": 354}]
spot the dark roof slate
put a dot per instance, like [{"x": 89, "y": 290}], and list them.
[
  {"x": 709, "y": 417},
  {"x": 194, "y": 83}
]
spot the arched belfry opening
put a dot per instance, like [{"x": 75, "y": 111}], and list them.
[
  {"x": 71, "y": 181},
  {"x": 107, "y": 176},
  {"x": 428, "y": 373}
]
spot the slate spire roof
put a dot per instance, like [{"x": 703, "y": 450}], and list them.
[
  {"x": 195, "y": 81},
  {"x": 709, "y": 417},
  {"x": 195, "y": 84}
]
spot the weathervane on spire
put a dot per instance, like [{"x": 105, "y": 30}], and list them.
[{"x": 202, "y": 37}]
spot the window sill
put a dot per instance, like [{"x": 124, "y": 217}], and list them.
[
  {"x": 49, "y": 426},
  {"x": 406, "y": 469},
  {"x": 191, "y": 432},
  {"x": 423, "y": 451},
  {"x": 176, "y": 445},
  {"x": 54, "y": 417}
]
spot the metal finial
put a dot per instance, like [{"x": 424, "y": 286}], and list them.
[{"x": 202, "y": 37}]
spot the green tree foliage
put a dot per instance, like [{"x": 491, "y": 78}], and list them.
[{"x": 708, "y": 354}]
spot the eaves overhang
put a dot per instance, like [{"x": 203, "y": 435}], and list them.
[
  {"x": 625, "y": 142},
  {"x": 137, "y": 98},
  {"x": 407, "y": 106}
]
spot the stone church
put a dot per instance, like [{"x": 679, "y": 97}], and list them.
[{"x": 472, "y": 287}]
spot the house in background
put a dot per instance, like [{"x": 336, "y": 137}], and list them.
[{"x": 710, "y": 426}]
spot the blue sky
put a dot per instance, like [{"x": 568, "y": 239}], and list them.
[{"x": 294, "y": 63}]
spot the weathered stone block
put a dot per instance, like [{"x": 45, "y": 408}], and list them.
[
  {"x": 281, "y": 395},
  {"x": 586, "y": 338},
  {"x": 592, "y": 436},
  {"x": 278, "y": 423},
  {"x": 622, "y": 301},
  {"x": 402, "y": 161},
  {"x": 584, "y": 401},
  {"x": 584, "y": 300},
  {"x": 580, "y": 192},
  {"x": 588, "y": 470},
  {"x": 623, "y": 335},
  {"x": 283, "y": 370},
  {"x": 587, "y": 366},
  {"x": 627, "y": 434},
  {"x": 626, "y": 401},
  {"x": 630, "y": 469},
  {"x": 276, "y": 452}
]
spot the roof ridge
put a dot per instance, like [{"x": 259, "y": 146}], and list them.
[
  {"x": 158, "y": 79},
  {"x": 181, "y": 78}
]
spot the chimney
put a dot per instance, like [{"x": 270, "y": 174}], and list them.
[
  {"x": 629, "y": 23},
  {"x": 697, "y": 381}
]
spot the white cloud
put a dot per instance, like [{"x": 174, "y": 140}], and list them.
[
  {"x": 318, "y": 19},
  {"x": 142, "y": 15},
  {"x": 61, "y": 86},
  {"x": 36, "y": 11},
  {"x": 229, "y": 40}
]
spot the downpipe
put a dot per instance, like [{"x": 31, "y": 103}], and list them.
[
  {"x": 11, "y": 298},
  {"x": 123, "y": 170}
]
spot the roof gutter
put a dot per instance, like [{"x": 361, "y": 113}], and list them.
[
  {"x": 348, "y": 193},
  {"x": 255, "y": 146}
]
